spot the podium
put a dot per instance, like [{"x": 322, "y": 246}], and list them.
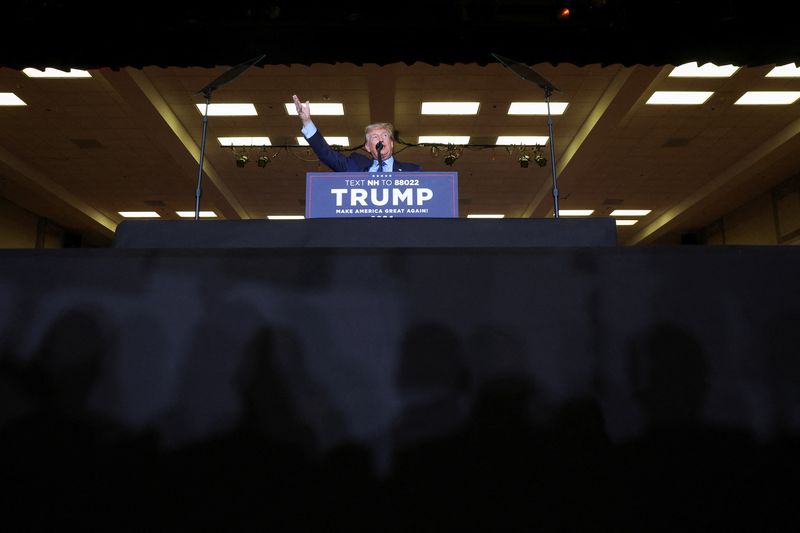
[{"x": 382, "y": 194}]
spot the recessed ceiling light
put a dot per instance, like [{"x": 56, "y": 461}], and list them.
[
  {"x": 630, "y": 212},
  {"x": 768, "y": 98},
  {"x": 139, "y": 214},
  {"x": 526, "y": 140},
  {"x": 785, "y": 71},
  {"x": 55, "y": 73},
  {"x": 623, "y": 222},
  {"x": 679, "y": 97},
  {"x": 340, "y": 141},
  {"x": 575, "y": 212},
  {"x": 244, "y": 141},
  {"x": 10, "y": 99},
  {"x": 536, "y": 108},
  {"x": 202, "y": 214},
  {"x": 485, "y": 216},
  {"x": 708, "y": 70},
  {"x": 450, "y": 108},
  {"x": 228, "y": 110},
  {"x": 443, "y": 139},
  {"x": 318, "y": 108},
  {"x": 285, "y": 217}
]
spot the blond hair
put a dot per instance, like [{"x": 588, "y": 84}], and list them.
[{"x": 379, "y": 126}]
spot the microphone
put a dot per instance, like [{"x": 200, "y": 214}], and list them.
[{"x": 378, "y": 148}]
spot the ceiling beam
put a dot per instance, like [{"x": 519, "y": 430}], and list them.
[
  {"x": 733, "y": 176},
  {"x": 581, "y": 137},
  {"x": 166, "y": 113},
  {"x": 44, "y": 183},
  {"x": 137, "y": 93}
]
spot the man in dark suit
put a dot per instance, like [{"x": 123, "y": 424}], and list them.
[{"x": 379, "y": 144}]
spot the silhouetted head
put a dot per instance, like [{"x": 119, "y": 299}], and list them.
[
  {"x": 71, "y": 355},
  {"x": 269, "y": 406},
  {"x": 431, "y": 360},
  {"x": 668, "y": 374}
]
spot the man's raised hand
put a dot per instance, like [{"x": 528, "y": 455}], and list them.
[{"x": 303, "y": 110}]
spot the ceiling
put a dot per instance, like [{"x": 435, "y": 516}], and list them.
[{"x": 129, "y": 137}]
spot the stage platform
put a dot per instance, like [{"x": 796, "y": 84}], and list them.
[{"x": 367, "y": 233}]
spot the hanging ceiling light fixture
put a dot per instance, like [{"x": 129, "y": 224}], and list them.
[
  {"x": 453, "y": 153},
  {"x": 538, "y": 156}
]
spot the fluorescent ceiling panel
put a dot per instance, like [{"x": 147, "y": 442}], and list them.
[
  {"x": 443, "y": 139},
  {"x": 679, "y": 97},
  {"x": 575, "y": 212},
  {"x": 190, "y": 214},
  {"x": 708, "y": 70},
  {"x": 623, "y": 222},
  {"x": 139, "y": 214},
  {"x": 55, "y": 73},
  {"x": 318, "y": 108},
  {"x": 10, "y": 99},
  {"x": 526, "y": 140},
  {"x": 768, "y": 98},
  {"x": 450, "y": 108},
  {"x": 244, "y": 141},
  {"x": 228, "y": 110},
  {"x": 630, "y": 212},
  {"x": 341, "y": 141},
  {"x": 536, "y": 108},
  {"x": 785, "y": 71}
]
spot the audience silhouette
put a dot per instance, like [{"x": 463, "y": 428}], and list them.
[
  {"x": 684, "y": 472},
  {"x": 65, "y": 464},
  {"x": 476, "y": 446},
  {"x": 255, "y": 476}
]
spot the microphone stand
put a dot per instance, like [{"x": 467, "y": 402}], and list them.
[
  {"x": 378, "y": 148},
  {"x": 548, "y": 90},
  {"x": 528, "y": 74},
  {"x": 226, "y": 77}
]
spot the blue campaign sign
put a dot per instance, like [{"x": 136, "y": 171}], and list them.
[{"x": 385, "y": 194}]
